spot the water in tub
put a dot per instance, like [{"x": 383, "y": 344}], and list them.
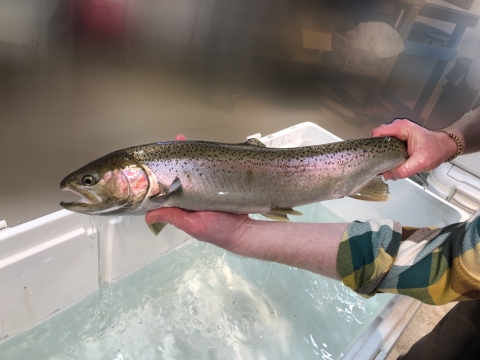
[{"x": 201, "y": 302}]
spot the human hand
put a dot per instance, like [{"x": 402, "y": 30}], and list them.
[
  {"x": 426, "y": 149},
  {"x": 221, "y": 229}
]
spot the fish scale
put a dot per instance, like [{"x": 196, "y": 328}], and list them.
[
  {"x": 278, "y": 176},
  {"x": 237, "y": 178}
]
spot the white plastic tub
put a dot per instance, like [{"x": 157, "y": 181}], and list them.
[
  {"x": 49, "y": 264},
  {"x": 458, "y": 182}
]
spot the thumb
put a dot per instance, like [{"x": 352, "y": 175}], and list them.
[{"x": 166, "y": 215}]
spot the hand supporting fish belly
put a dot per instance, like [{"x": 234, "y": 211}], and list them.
[{"x": 241, "y": 178}]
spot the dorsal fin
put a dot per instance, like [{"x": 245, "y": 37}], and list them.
[
  {"x": 253, "y": 142},
  {"x": 374, "y": 190}
]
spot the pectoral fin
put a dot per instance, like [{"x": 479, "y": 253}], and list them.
[
  {"x": 374, "y": 190},
  {"x": 174, "y": 186},
  {"x": 155, "y": 228}
]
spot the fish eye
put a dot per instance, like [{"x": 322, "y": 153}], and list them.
[{"x": 89, "y": 180}]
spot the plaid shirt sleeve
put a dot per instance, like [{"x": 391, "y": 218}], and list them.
[{"x": 435, "y": 266}]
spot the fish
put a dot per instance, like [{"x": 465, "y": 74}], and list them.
[{"x": 243, "y": 178}]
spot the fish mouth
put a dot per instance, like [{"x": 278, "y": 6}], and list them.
[{"x": 88, "y": 202}]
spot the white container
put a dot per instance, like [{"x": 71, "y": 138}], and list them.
[
  {"x": 458, "y": 182},
  {"x": 52, "y": 262}
]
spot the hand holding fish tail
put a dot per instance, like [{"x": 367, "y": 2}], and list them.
[{"x": 426, "y": 149}]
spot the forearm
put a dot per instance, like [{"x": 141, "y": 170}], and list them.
[
  {"x": 435, "y": 266},
  {"x": 467, "y": 129},
  {"x": 313, "y": 247},
  {"x": 308, "y": 246}
]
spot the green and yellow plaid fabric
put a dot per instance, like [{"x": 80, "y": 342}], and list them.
[{"x": 435, "y": 266}]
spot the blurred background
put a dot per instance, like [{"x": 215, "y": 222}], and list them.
[{"x": 80, "y": 78}]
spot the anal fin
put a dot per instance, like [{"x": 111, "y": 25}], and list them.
[
  {"x": 155, "y": 228},
  {"x": 276, "y": 216},
  {"x": 374, "y": 190},
  {"x": 287, "y": 211},
  {"x": 280, "y": 214}
]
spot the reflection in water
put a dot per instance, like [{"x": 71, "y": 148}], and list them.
[{"x": 201, "y": 302}]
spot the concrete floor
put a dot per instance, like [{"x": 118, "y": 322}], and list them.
[
  {"x": 422, "y": 323},
  {"x": 88, "y": 104}
]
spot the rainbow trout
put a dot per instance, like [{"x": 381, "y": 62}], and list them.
[{"x": 237, "y": 178}]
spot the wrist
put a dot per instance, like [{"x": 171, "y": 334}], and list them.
[
  {"x": 467, "y": 129},
  {"x": 238, "y": 240},
  {"x": 452, "y": 144}
]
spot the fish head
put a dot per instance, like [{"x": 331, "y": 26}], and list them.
[{"x": 113, "y": 184}]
